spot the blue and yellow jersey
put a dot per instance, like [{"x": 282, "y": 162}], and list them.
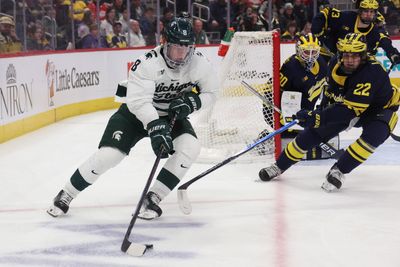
[
  {"x": 116, "y": 41},
  {"x": 295, "y": 77},
  {"x": 366, "y": 90},
  {"x": 330, "y": 24}
]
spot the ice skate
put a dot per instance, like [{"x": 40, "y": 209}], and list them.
[
  {"x": 150, "y": 209},
  {"x": 60, "y": 204},
  {"x": 334, "y": 180},
  {"x": 269, "y": 173}
]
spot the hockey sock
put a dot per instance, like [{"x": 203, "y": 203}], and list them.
[
  {"x": 355, "y": 154},
  {"x": 291, "y": 155},
  {"x": 187, "y": 149},
  {"x": 102, "y": 160},
  {"x": 374, "y": 134}
]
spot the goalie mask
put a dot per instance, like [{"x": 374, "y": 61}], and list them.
[
  {"x": 179, "y": 45},
  {"x": 352, "y": 46},
  {"x": 365, "y": 6},
  {"x": 307, "y": 49}
]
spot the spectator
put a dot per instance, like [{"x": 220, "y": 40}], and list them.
[
  {"x": 263, "y": 19},
  {"x": 79, "y": 7},
  {"x": 137, "y": 9},
  {"x": 88, "y": 37},
  {"x": 88, "y": 18},
  {"x": 148, "y": 26},
  {"x": 106, "y": 26},
  {"x": 49, "y": 21},
  {"x": 291, "y": 32},
  {"x": 287, "y": 17},
  {"x": 254, "y": 23},
  {"x": 246, "y": 20},
  {"x": 116, "y": 39},
  {"x": 124, "y": 19},
  {"x": 135, "y": 37},
  {"x": 36, "y": 40},
  {"x": 158, "y": 38},
  {"x": 218, "y": 16},
  {"x": 9, "y": 42},
  {"x": 168, "y": 14},
  {"x": 389, "y": 11},
  {"x": 300, "y": 12},
  {"x": 91, "y": 4},
  {"x": 396, "y": 4},
  {"x": 119, "y": 6},
  {"x": 199, "y": 34},
  {"x": 307, "y": 28},
  {"x": 62, "y": 11}
]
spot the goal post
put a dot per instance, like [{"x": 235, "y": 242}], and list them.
[{"x": 238, "y": 117}]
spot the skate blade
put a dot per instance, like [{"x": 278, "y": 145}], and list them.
[
  {"x": 148, "y": 215},
  {"x": 55, "y": 211},
  {"x": 328, "y": 187}
]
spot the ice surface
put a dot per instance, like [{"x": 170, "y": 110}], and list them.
[{"x": 236, "y": 221}]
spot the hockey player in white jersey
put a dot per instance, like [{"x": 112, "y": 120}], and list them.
[{"x": 160, "y": 85}]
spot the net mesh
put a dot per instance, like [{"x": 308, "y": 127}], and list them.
[{"x": 238, "y": 118}]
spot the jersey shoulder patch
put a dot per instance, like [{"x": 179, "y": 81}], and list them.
[{"x": 148, "y": 65}]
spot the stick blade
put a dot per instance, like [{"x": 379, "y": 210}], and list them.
[
  {"x": 183, "y": 201},
  {"x": 134, "y": 249}
]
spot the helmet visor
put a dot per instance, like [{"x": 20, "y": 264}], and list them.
[{"x": 178, "y": 55}]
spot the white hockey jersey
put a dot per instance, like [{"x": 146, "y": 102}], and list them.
[{"x": 152, "y": 85}]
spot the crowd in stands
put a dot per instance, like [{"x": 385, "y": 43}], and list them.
[{"x": 69, "y": 24}]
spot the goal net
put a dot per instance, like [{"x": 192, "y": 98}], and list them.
[{"x": 238, "y": 117}]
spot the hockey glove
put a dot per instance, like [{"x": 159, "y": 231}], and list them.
[
  {"x": 160, "y": 135},
  {"x": 308, "y": 118},
  {"x": 184, "y": 105},
  {"x": 395, "y": 59}
]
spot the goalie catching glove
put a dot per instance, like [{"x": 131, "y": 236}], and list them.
[
  {"x": 184, "y": 105},
  {"x": 309, "y": 118},
  {"x": 160, "y": 135}
]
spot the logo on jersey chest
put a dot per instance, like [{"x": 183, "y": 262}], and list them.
[
  {"x": 167, "y": 91},
  {"x": 334, "y": 97}
]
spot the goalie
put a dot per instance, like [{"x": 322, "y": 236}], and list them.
[{"x": 302, "y": 79}]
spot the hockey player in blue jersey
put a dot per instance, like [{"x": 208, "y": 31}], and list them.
[
  {"x": 331, "y": 24},
  {"x": 359, "y": 94}
]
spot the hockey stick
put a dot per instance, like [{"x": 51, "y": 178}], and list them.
[
  {"x": 333, "y": 152},
  {"x": 183, "y": 200},
  {"x": 135, "y": 249},
  {"x": 395, "y": 137}
]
